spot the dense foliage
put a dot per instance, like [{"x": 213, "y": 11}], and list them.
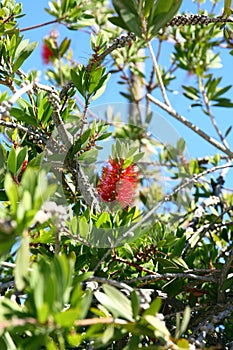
[{"x": 111, "y": 236}]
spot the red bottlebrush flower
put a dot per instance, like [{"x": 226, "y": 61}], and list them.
[
  {"x": 24, "y": 166},
  {"x": 46, "y": 53},
  {"x": 118, "y": 183}
]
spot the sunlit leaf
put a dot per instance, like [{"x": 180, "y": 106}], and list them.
[{"x": 22, "y": 263}]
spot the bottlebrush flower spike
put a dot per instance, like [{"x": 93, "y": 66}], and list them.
[
  {"x": 46, "y": 53},
  {"x": 24, "y": 166},
  {"x": 118, "y": 183}
]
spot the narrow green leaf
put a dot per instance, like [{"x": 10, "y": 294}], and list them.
[
  {"x": 154, "y": 307},
  {"x": 116, "y": 302},
  {"x": 135, "y": 304},
  {"x": 181, "y": 145},
  {"x": 77, "y": 78},
  {"x": 83, "y": 227},
  {"x": 21, "y": 157},
  {"x": 12, "y": 192},
  {"x": 227, "y": 8},
  {"x": 228, "y": 131},
  {"x": 23, "y": 51},
  {"x": 22, "y": 263},
  {"x": 161, "y": 13},
  {"x": 89, "y": 156},
  {"x": 148, "y": 7},
  {"x": 101, "y": 87},
  {"x": 43, "y": 312},
  {"x": 184, "y": 324},
  {"x": 12, "y": 161},
  {"x": 108, "y": 334},
  {"x": 64, "y": 46},
  {"x": 160, "y": 328}
]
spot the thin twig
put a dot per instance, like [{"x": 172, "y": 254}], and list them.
[
  {"x": 114, "y": 283},
  {"x": 43, "y": 24},
  {"x": 208, "y": 110},
  {"x": 160, "y": 80},
  {"x": 165, "y": 276}
]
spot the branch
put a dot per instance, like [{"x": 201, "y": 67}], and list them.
[
  {"x": 183, "y": 20},
  {"x": 196, "y": 236},
  {"x": 6, "y": 285},
  {"x": 58, "y": 20},
  {"x": 190, "y": 125},
  {"x": 120, "y": 42},
  {"x": 226, "y": 268},
  {"x": 160, "y": 80},
  {"x": 34, "y": 136},
  {"x": 164, "y": 276},
  {"x": 218, "y": 313}
]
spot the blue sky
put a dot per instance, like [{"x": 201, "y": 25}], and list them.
[{"x": 35, "y": 14}]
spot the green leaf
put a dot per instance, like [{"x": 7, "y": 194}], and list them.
[
  {"x": 83, "y": 227},
  {"x": 128, "y": 16},
  {"x": 116, "y": 302},
  {"x": 183, "y": 344},
  {"x": 148, "y": 7},
  {"x": 89, "y": 156},
  {"x": 138, "y": 156},
  {"x": 223, "y": 102},
  {"x": 104, "y": 136},
  {"x": 191, "y": 92},
  {"x": 43, "y": 312},
  {"x": 103, "y": 219},
  {"x": 23, "y": 51},
  {"x": 95, "y": 77},
  {"x": 131, "y": 152},
  {"x": 227, "y": 8},
  {"x": 64, "y": 46},
  {"x": 79, "y": 77},
  {"x": 159, "y": 326},
  {"x": 161, "y": 13},
  {"x": 178, "y": 247},
  {"x": 135, "y": 304},
  {"x": 21, "y": 157},
  {"x": 118, "y": 22},
  {"x": 181, "y": 145},
  {"x": 22, "y": 263},
  {"x": 228, "y": 131},
  {"x": 12, "y": 161},
  {"x": 153, "y": 308},
  {"x": 12, "y": 193},
  {"x": 74, "y": 339},
  {"x": 108, "y": 334},
  {"x": 185, "y": 321},
  {"x": 101, "y": 87},
  {"x": 66, "y": 318}
]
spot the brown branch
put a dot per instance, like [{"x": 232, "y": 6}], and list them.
[
  {"x": 138, "y": 267},
  {"x": 99, "y": 320},
  {"x": 43, "y": 24},
  {"x": 226, "y": 268}
]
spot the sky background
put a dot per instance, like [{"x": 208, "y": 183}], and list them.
[{"x": 35, "y": 14}]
